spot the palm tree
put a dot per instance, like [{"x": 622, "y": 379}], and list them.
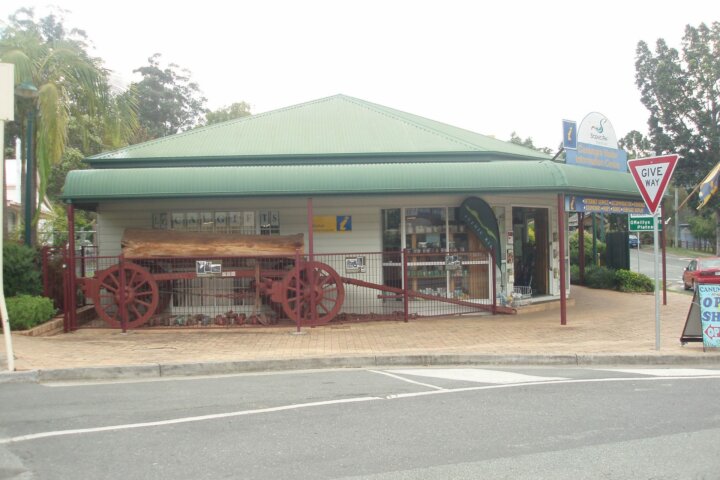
[{"x": 68, "y": 82}]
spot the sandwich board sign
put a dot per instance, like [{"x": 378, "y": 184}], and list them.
[{"x": 652, "y": 176}]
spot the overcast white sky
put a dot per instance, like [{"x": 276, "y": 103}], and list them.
[{"x": 491, "y": 67}]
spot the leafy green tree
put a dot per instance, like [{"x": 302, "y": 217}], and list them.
[
  {"x": 72, "y": 87},
  {"x": 528, "y": 142},
  {"x": 702, "y": 227},
  {"x": 682, "y": 92},
  {"x": 636, "y": 145},
  {"x": 224, "y": 114},
  {"x": 168, "y": 100}
]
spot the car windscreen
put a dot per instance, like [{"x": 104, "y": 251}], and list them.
[{"x": 712, "y": 263}]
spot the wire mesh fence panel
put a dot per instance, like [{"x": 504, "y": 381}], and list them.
[
  {"x": 53, "y": 269},
  {"x": 449, "y": 283},
  {"x": 242, "y": 291},
  {"x": 437, "y": 283}
]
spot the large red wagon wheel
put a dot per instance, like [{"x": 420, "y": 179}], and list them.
[
  {"x": 141, "y": 295},
  {"x": 319, "y": 286}
]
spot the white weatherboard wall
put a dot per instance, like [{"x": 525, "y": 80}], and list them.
[{"x": 365, "y": 237}]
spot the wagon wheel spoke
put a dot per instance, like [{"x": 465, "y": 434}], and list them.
[
  {"x": 140, "y": 287},
  {"x": 147, "y": 305},
  {"x": 321, "y": 293},
  {"x": 134, "y": 310},
  {"x": 131, "y": 280},
  {"x": 109, "y": 287},
  {"x": 114, "y": 278}
]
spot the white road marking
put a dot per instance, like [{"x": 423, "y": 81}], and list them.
[
  {"x": 475, "y": 375},
  {"x": 58, "y": 433},
  {"x": 665, "y": 372},
  {"x": 406, "y": 379}
]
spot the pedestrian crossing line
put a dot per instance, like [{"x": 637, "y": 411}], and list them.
[
  {"x": 665, "y": 372},
  {"x": 475, "y": 375},
  {"x": 406, "y": 379}
]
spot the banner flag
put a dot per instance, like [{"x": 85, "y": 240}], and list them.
[{"x": 709, "y": 186}]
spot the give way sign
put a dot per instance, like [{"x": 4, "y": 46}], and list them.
[{"x": 652, "y": 176}]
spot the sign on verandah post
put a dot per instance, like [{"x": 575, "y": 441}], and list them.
[
  {"x": 710, "y": 314},
  {"x": 652, "y": 176}
]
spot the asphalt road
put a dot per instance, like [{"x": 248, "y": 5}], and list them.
[
  {"x": 521, "y": 423},
  {"x": 675, "y": 265}
]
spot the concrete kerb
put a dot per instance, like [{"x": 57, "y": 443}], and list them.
[
  {"x": 117, "y": 372},
  {"x": 148, "y": 371},
  {"x": 30, "y": 376}
]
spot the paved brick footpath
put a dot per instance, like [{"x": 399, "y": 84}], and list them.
[{"x": 599, "y": 322}]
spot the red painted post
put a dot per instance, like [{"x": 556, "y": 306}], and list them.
[
  {"x": 311, "y": 251},
  {"x": 311, "y": 258},
  {"x": 662, "y": 244},
  {"x": 121, "y": 293},
  {"x": 406, "y": 307},
  {"x": 66, "y": 291},
  {"x": 494, "y": 280},
  {"x": 297, "y": 291},
  {"x": 561, "y": 248},
  {"x": 71, "y": 266},
  {"x": 581, "y": 246},
  {"x": 45, "y": 271}
]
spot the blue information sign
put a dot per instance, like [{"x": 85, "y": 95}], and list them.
[
  {"x": 597, "y": 156},
  {"x": 710, "y": 314},
  {"x": 569, "y": 134},
  {"x": 343, "y": 223},
  {"x": 580, "y": 203}
]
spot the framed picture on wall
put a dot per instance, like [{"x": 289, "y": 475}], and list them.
[
  {"x": 220, "y": 220},
  {"x": 249, "y": 219},
  {"x": 206, "y": 221},
  {"x": 192, "y": 219},
  {"x": 178, "y": 220},
  {"x": 235, "y": 219},
  {"x": 264, "y": 219},
  {"x": 160, "y": 220}
]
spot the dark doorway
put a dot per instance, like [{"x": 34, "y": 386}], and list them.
[{"x": 531, "y": 248}]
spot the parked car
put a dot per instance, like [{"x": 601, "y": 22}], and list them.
[
  {"x": 633, "y": 241},
  {"x": 704, "y": 269}
]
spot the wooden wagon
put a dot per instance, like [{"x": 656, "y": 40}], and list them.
[{"x": 129, "y": 293}]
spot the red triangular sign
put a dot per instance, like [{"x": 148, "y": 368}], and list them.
[{"x": 652, "y": 176}]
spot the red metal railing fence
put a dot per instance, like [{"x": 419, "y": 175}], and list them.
[{"x": 241, "y": 291}]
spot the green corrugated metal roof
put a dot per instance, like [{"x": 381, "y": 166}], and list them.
[
  {"x": 90, "y": 186},
  {"x": 329, "y": 127}
]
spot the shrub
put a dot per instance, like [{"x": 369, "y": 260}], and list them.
[
  {"x": 575, "y": 274},
  {"x": 600, "y": 277},
  {"x": 26, "y": 311},
  {"x": 21, "y": 270},
  {"x": 574, "y": 253},
  {"x": 628, "y": 281}
]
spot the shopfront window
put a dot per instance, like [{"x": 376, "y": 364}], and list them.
[
  {"x": 443, "y": 257},
  {"x": 426, "y": 230}
]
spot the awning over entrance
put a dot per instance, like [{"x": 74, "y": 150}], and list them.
[{"x": 92, "y": 186}]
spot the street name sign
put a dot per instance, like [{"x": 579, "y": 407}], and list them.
[
  {"x": 642, "y": 223},
  {"x": 652, "y": 176}
]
